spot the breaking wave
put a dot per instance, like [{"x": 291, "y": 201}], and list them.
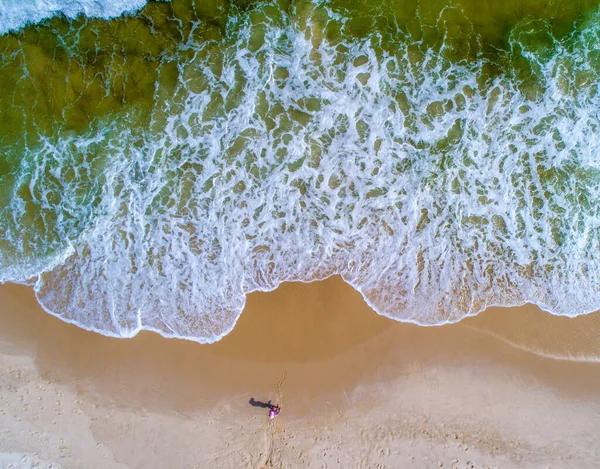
[{"x": 15, "y": 14}]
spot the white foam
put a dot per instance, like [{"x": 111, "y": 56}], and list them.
[
  {"x": 429, "y": 193},
  {"x": 15, "y": 14}
]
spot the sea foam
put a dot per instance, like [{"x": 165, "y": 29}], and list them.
[
  {"x": 15, "y": 14},
  {"x": 433, "y": 189}
]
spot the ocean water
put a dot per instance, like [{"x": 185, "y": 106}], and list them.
[{"x": 160, "y": 161}]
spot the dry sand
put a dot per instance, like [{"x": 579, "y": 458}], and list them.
[{"x": 510, "y": 388}]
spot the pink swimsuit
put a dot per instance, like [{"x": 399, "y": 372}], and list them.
[{"x": 273, "y": 413}]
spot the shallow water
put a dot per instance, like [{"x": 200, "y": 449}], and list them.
[{"x": 440, "y": 156}]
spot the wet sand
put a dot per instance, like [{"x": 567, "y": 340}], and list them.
[{"x": 333, "y": 363}]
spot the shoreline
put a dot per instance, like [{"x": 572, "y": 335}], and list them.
[{"x": 331, "y": 360}]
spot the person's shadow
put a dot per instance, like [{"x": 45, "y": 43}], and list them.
[{"x": 255, "y": 403}]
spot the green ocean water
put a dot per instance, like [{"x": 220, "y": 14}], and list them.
[
  {"x": 441, "y": 156},
  {"x": 68, "y": 73}
]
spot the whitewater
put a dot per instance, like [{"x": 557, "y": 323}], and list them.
[
  {"x": 432, "y": 186},
  {"x": 16, "y": 14}
]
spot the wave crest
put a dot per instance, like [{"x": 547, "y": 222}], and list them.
[{"x": 16, "y": 14}]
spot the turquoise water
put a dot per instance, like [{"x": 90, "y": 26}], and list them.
[{"x": 160, "y": 165}]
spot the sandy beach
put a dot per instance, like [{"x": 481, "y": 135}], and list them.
[{"x": 510, "y": 388}]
